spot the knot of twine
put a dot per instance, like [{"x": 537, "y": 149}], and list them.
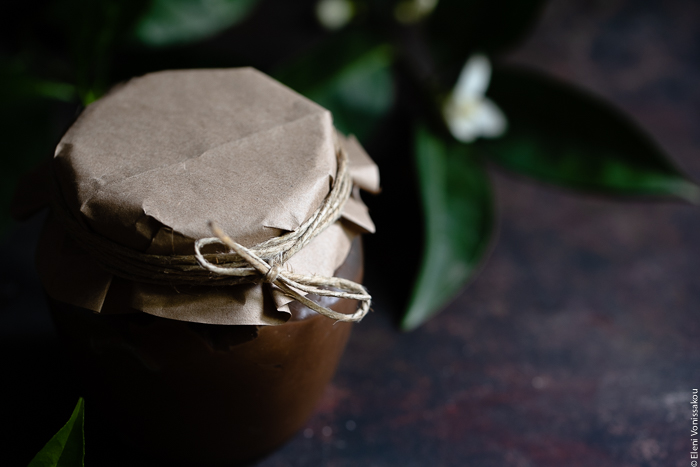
[
  {"x": 263, "y": 262},
  {"x": 268, "y": 258},
  {"x": 272, "y": 273}
]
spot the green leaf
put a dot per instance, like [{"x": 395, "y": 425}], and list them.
[
  {"x": 458, "y": 28},
  {"x": 561, "y": 135},
  {"x": 67, "y": 447},
  {"x": 19, "y": 84},
  {"x": 458, "y": 212},
  {"x": 169, "y": 22},
  {"x": 350, "y": 75}
]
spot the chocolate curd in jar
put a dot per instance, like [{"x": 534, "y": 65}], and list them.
[
  {"x": 185, "y": 372},
  {"x": 182, "y": 393}
]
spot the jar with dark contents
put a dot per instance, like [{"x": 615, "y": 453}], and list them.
[
  {"x": 202, "y": 394},
  {"x": 198, "y": 375}
]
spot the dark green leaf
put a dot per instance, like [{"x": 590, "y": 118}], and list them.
[
  {"x": 169, "y": 22},
  {"x": 561, "y": 135},
  {"x": 458, "y": 28},
  {"x": 19, "y": 84},
  {"x": 67, "y": 447},
  {"x": 349, "y": 75},
  {"x": 458, "y": 212}
]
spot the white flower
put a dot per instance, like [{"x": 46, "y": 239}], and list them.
[
  {"x": 468, "y": 113},
  {"x": 412, "y": 11},
  {"x": 334, "y": 14}
]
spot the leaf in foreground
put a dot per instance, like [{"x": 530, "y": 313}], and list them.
[
  {"x": 561, "y": 135},
  {"x": 67, "y": 447},
  {"x": 458, "y": 213}
]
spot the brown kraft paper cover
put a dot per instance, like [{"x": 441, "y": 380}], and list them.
[{"x": 149, "y": 165}]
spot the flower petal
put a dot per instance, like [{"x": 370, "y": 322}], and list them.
[
  {"x": 334, "y": 14},
  {"x": 489, "y": 119},
  {"x": 464, "y": 129},
  {"x": 474, "y": 78}
]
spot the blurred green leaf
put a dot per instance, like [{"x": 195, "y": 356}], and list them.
[
  {"x": 350, "y": 75},
  {"x": 562, "y": 135},
  {"x": 169, "y": 22},
  {"x": 360, "y": 95},
  {"x": 19, "y": 84},
  {"x": 458, "y": 28},
  {"x": 67, "y": 447},
  {"x": 459, "y": 217}
]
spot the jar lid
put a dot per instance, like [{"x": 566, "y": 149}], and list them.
[
  {"x": 148, "y": 165},
  {"x": 151, "y": 163}
]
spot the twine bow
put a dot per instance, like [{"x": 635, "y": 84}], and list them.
[
  {"x": 267, "y": 259},
  {"x": 288, "y": 282}
]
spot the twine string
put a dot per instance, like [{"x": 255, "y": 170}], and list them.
[
  {"x": 288, "y": 282},
  {"x": 261, "y": 263}
]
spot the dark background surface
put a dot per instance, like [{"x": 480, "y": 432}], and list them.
[{"x": 578, "y": 344}]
